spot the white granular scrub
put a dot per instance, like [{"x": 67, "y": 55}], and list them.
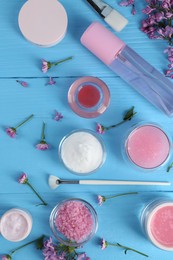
[{"x": 82, "y": 152}]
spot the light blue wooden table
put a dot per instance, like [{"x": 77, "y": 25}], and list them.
[{"x": 119, "y": 219}]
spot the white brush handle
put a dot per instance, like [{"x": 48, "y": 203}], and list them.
[{"x": 109, "y": 182}]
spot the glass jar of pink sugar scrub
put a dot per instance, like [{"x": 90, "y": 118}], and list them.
[
  {"x": 82, "y": 151},
  {"x": 15, "y": 224},
  {"x": 157, "y": 223},
  {"x": 146, "y": 146},
  {"x": 73, "y": 222}
]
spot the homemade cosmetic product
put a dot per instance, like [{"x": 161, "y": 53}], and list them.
[
  {"x": 157, "y": 222},
  {"x": 43, "y": 22},
  {"x": 89, "y": 97},
  {"x": 82, "y": 151},
  {"x": 15, "y": 225},
  {"x": 73, "y": 222},
  {"x": 143, "y": 77},
  {"x": 146, "y": 146}
]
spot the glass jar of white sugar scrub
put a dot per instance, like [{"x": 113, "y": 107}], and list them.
[
  {"x": 73, "y": 222},
  {"x": 82, "y": 151},
  {"x": 15, "y": 224}
]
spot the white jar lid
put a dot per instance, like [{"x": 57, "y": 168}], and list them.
[{"x": 43, "y": 22}]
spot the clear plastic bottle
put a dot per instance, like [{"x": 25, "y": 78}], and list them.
[{"x": 131, "y": 67}]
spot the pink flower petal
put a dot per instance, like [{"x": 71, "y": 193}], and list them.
[
  {"x": 23, "y": 178},
  {"x": 11, "y": 132}
]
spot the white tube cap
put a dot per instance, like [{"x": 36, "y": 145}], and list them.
[{"x": 116, "y": 20}]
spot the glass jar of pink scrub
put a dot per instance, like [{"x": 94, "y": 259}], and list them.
[
  {"x": 15, "y": 224},
  {"x": 157, "y": 223},
  {"x": 146, "y": 146},
  {"x": 73, "y": 222}
]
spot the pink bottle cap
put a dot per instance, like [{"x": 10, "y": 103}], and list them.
[
  {"x": 101, "y": 42},
  {"x": 43, "y": 22}
]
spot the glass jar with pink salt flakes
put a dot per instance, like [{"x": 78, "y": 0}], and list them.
[{"x": 73, "y": 222}]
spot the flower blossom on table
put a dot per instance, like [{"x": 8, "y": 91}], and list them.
[
  {"x": 58, "y": 116},
  {"x": 12, "y": 131},
  {"x": 51, "y": 81},
  {"x": 49, "y": 250},
  {"x": 42, "y": 145},
  {"x": 58, "y": 251},
  {"x": 100, "y": 129},
  {"x": 105, "y": 244},
  {"x": 46, "y": 65},
  {"x": 22, "y": 83},
  {"x": 129, "y": 3},
  {"x": 101, "y": 199},
  {"x": 23, "y": 179},
  {"x": 158, "y": 25}
]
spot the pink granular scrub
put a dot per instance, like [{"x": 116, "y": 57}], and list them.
[
  {"x": 74, "y": 221},
  {"x": 148, "y": 146}
]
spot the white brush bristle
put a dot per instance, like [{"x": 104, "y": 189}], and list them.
[{"x": 53, "y": 182}]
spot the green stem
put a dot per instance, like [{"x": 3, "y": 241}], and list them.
[
  {"x": 122, "y": 122},
  {"x": 44, "y": 203},
  {"x": 122, "y": 194},
  {"x": 24, "y": 121},
  {"x": 43, "y": 130},
  {"x": 58, "y": 62},
  {"x": 127, "y": 248},
  {"x": 169, "y": 167},
  {"x": 31, "y": 242}
]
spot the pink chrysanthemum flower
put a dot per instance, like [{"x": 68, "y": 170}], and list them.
[
  {"x": 51, "y": 81},
  {"x": 101, "y": 199},
  {"x": 42, "y": 145},
  {"x": 11, "y": 131},
  {"x": 23, "y": 178},
  {"x": 100, "y": 128},
  {"x": 46, "y": 65},
  {"x": 104, "y": 244},
  {"x": 22, "y": 83},
  {"x": 58, "y": 116}
]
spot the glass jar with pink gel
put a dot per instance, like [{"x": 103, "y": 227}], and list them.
[
  {"x": 15, "y": 224},
  {"x": 73, "y": 222},
  {"x": 147, "y": 146},
  {"x": 157, "y": 222}
]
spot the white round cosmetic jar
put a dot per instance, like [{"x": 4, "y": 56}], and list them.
[
  {"x": 15, "y": 224},
  {"x": 43, "y": 22},
  {"x": 82, "y": 151}
]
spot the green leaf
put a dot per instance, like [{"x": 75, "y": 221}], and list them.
[
  {"x": 40, "y": 242},
  {"x": 129, "y": 114}
]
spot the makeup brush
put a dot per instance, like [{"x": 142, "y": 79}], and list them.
[{"x": 54, "y": 182}]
